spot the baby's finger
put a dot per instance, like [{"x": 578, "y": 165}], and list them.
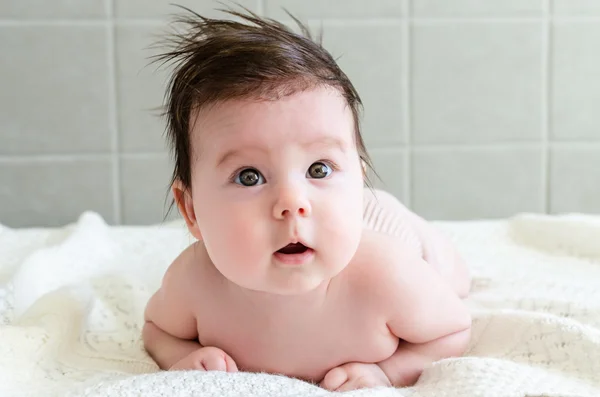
[
  {"x": 334, "y": 379},
  {"x": 187, "y": 364},
  {"x": 230, "y": 364},
  {"x": 214, "y": 363},
  {"x": 348, "y": 386},
  {"x": 360, "y": 382}
]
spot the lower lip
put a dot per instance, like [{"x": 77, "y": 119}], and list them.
[{"x": 295, "y": 259}]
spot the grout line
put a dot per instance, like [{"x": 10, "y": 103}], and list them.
[
  {"x": 387, "y": 149},
  {"x": 408, "y": 9},
  {"x": 113, "y": 112},
  {"x": 260, "y": 9},
  {"x": 350, "y": 20},
  {"x": 55, "y": 157},
  {"x": 359, "y": 21},
  {"x": 141, "y": 22},
  {"x": 577, "y": 145},
  {"x": 52, "y": 22},
  {"x": 473, "y": 20},
  {"x": 545, "y": 106},
  {"x": 571, "y": 18},
  {"x": 406, "y": 99},
  {"x": 542, "y": 18},
  {"x": 108, "y": 9},
  {"x": 475, "y": 146},
  {"x": 143, "y": 155},
  {"x": 593, "y": 145}
]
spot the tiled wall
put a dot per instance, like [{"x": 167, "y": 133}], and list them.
[{"x": 473, "y": 108}]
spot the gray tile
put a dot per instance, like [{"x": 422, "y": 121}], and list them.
[
  {"x": 54, "y": 97},
  {"x": 390, "y": 165},
  {"x": 160, "y": 9},
  {"x": 371, "y": 57},
  {"x": 476, "y": 82},
  {"x": 317, "y": 9},
  {"x": 575, "y": 179},
  {"x": 145, "y": 189},
  {"x": 53, "y": 9},
  {"x": 476, "y": 8},
  {"x": 575, "y": 82},
  {"x": 40, "y": 193},
  {"x": 459, "y": 184},
  {"x": 576, "y": 7},
  {"x": 141, "y": 87}
]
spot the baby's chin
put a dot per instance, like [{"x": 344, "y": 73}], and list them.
[{"x": 290, "y": 290}]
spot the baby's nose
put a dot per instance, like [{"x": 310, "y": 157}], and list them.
[{"x": 291, "y": 203}]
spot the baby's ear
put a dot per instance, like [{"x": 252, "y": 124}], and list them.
[{"x": 183, "y": 198}]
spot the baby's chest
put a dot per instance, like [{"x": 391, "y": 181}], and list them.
[{"x": 300, "y": 346}]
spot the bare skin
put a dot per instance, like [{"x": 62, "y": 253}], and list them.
[
  {"x": 372, "y": 299},
  {"x": 348, "y": 333}
]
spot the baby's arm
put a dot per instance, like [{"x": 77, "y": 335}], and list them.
[
  {"x": 420, "y": 309},
  {"x": 426, "y": 314},
  {"x": 385, "y": 214},
  {"x": 170, "y": 330},
  {"x": 406, "y": 365}
]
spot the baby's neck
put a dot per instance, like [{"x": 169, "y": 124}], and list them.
[{"x": 313, "y": 299}]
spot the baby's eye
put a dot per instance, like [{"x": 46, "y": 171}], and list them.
[
  {"x": 249, "y": 177},
  {"x": 319, "y": 170}
]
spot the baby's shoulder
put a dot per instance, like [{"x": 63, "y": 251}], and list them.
[
  {"x": 381, "y": 254},
  {"x": 381, "y": 265},
  {"x": 188, "y": 269}
]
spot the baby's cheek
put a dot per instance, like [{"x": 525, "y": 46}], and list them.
[
  {"x": 347, "y": 212},
  {"x": 236, "y": 251},
  {"x": 243, "y": 238},
  {"x": 341, "y": 227}
]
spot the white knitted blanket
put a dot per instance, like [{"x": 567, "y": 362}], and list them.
[{"x": 71, "y": 303}]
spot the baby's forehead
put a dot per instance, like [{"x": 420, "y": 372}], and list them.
[{"x": 309, "y": 118}]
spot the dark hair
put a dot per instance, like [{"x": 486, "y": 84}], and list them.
[{"x": 258, "y": 58}]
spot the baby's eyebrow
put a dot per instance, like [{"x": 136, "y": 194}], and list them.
[
  {"x": 236, "y": 152},
  {"x": 329, "y": 142}
]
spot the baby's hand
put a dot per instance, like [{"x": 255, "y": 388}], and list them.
[
  {"x": 352, "y": 376},
  {"x": 206, "y": 359}
]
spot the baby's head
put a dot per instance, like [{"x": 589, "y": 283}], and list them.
[{"x": 269, "y": 159}]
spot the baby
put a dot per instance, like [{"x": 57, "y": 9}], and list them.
[{"x": 297, "y": 268}]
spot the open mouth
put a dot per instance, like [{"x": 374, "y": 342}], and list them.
[
  {"x": 295, "y": 248},
  {"x": 294, "y": 254}
]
